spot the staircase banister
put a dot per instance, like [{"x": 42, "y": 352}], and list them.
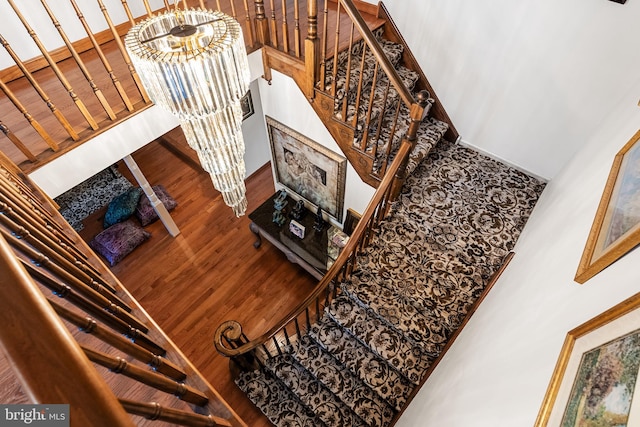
[
  {"x": 231, "y": 327},
  {"x": 50, "y": 356},
  {"x": 377, "y": 51}
]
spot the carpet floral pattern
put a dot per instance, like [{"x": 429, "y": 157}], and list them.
[{"x": 460, "y": 213}]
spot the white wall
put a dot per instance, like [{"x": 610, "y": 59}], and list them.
[
  {"x": 527, "y": 80},
  {"x": 498, "y": 370},
  {"x": 283, "y": 101}
]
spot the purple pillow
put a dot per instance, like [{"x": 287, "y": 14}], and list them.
[
  {"x": 145, "y": 212},
  {"x": 119, "y": 240}
]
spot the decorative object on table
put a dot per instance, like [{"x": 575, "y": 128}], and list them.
[
  {"x": 307, "y": 169},
  {"x": 296, "y": 228},
  {"x": 246, "y": 103},
  {"x": 280, "y": 201},
  {"x": 146, "y": 214},
  {"x": 299, "y": 211},
  {"x": 595, "y": 376},
  {"x": 616, "y": 227},
  {"x": 122, "y": 207},
  {"x": 119, "y": 240},
  {"x": 193, "y": 63},
  {"x": 278, "y": 218},
  {"x": 319, "y": 223},
  {"x": 337, "y": 239}
]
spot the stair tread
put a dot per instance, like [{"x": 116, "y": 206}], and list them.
[
  {"x": 423, "y": 328},
  {"x": 381, "y": 377},
  {"x": 275, "y": 400},
  {"x": 380, "y": 337},
  {"x": 343, "y": 383},
  {"x": 311, "y": 392}
]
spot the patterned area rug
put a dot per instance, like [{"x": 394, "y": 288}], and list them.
[
  {"x": 91, "y": 195},
  {"x": 458, "y": 216}
]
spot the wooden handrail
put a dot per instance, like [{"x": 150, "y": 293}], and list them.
[
  {"x": 24, "y": 308},
  {"x": 230, "y": 329},
  {"x": 377, "y": 51}
]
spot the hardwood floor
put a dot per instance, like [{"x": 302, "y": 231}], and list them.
[{"x": 210, "y": 272}]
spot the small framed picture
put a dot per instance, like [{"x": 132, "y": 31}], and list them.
[{"x": 296, "y": 228}]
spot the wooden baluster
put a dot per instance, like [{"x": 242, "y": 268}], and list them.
[
  {"x": 52, "y": 357},
  {"x": 345, "y": 100},
  {"x": 124, "y": 53},
  {"x": 147, "y": 8},
  {"x": 74, "y": 269},
  {"x": 383, "y": 169},
  {"x": 202, "y": 6},
  {"x": 98, "y": 93},
  {"x": 312, "y": 49},
  {"x": 93, "y": 291},
  {"x": 335, "y": 53},
  {"x": 360, "y": 85},
  {"x": 166, "y": 5},
  {"x": 157, "y": 381},
  {"x": 233, "y": 9},
  {"x": 16, "y": 141},
  {"x": 323, "y": 44},
  {"x": 54, "y": 67},
  {"x": 103, "y": 58},
  {"x": 249, "y": 25},
  {"x": 262, "y": 28},
  {"x": 33, "y": 122},
  {"x": 12, "y": 180},
  {"x": 57, "y": 113},
  {"x": 154, "y": 411},
  {"x": 296, "y": 31},
  {"x": 125, "y": 5},
  {"x": 90, "y": 326},
  {"x": 274, "y": 26},
  {"x": 285, "y": 28},
  {"x": 34, "y": 227},
  {"x": 107, "y": 315},
  {"x": 367, "y": 119},
  {"x": 380, "y": 119},
  {"x": 15, "y": 200}
]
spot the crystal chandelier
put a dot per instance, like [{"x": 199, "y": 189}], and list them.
[{"x": 193, "y": 63}]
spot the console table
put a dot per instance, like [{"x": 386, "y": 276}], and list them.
[{"x": 310, "y": 252}]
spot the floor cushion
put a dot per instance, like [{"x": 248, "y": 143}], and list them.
[
  {"x": 122, "y": 206},
  {"x": 145, "y": 212},
  {"x": 119, "y": 240}
]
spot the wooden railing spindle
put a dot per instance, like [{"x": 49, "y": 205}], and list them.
[
  {"x": 249, "y": 24},
  {"x": 154, "y": 411},
  {"x": 360, "y": 84},
  {"x": 103, "y": 58},
  {"x": 336, "y": 51},
  {"x": 262, "y": 27},
  {"x": 16, "y": 141},
  {"x": 96, "y": 90},
  {"x": 54, "y": 67},
  {"x": 274, "y": 25},
  {"x": 345, "y": 100},
  {"x": 125, "y": 5},
  {"x": 124, "y": 53},
  {"x": 296, "y": 32},
  {"x": 147, "y": 8},
  {"x": 323, "y": 45},
  {"x": 285, "y": 28}
]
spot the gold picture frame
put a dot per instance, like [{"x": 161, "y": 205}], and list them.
[
  {"x": 576, "y": 391},
  {"x": 616, "y": 227}
]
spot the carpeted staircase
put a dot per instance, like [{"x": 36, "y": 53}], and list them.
[{"x": 458, "y": 216}]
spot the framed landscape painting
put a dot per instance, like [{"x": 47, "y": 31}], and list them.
[
  {"x": 616, "y": 227},
  {"x": 307, "y": 169},
  {"x": 595, "y": 380}
]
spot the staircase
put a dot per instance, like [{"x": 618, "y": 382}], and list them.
[{"x": 362, "y": 345}]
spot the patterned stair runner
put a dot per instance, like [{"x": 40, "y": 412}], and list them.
[{"x": 459, "y": 215}]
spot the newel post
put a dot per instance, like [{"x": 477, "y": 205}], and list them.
[
  {"x": 311, "y": 49},
  {"x": 417, "y": 113},
  {"x": 229, "y": 337},
  {"x": 262, "y": 24}
]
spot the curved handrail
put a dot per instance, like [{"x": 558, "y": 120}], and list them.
[{"x": 232, "y": 330}]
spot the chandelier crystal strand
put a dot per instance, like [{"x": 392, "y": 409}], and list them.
[{"x": 193, "y": 63}]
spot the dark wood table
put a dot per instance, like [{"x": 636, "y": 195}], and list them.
[{"x": 309, "y": 252}]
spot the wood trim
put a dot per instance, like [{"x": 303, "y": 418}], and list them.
[{"x": 367, "y": 8}]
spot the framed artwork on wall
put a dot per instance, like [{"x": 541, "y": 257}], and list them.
[
  {"x": 596, "y": 375},
  {"x": 307, "y": 169},
  {"x": 616, "y": 227},
  {"x": 246, "y": 102}
]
